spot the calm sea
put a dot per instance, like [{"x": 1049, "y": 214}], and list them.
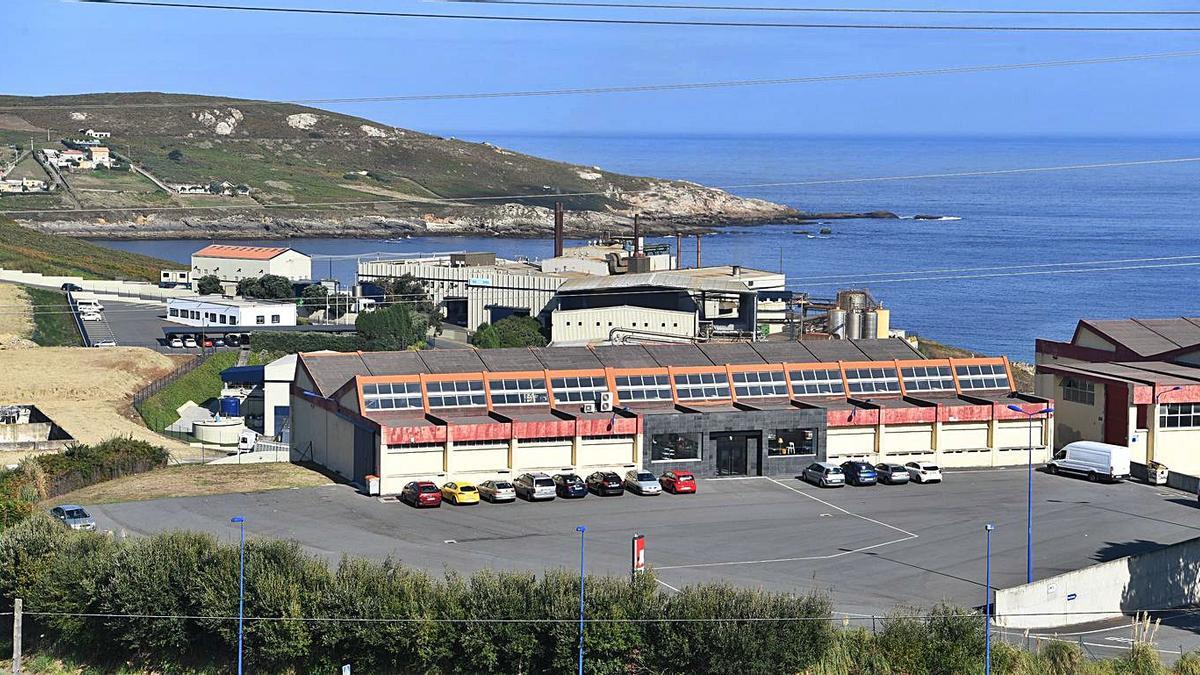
[{"x": 1002, "y": 275}]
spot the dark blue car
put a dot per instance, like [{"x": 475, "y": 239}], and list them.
[
  {"x": 569, "y": 485},
  {"x": 859, "y": 473}
]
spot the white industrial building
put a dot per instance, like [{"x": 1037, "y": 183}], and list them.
[
  {"x": 203, "y": 311},
  {"x": 231, "y": 264}
]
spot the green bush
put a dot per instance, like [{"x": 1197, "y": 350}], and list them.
[{"x": 293, "y": 343}]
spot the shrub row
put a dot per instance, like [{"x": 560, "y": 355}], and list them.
[
  {"x": 291, "y": 343},
  {"x": 45, "y": 476}
]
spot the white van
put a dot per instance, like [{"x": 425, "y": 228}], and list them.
[{"x": 1092, "y": 459}]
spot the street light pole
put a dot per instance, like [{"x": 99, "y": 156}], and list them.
[
  {"x": 581, "y": 529},
  {"x": 987, "y": 615},
  {"x": 241, "y": 523},
  {"x": 1029, "y": 506}
]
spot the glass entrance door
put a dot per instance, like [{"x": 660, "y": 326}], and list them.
[{"x": 731, "y": 454}]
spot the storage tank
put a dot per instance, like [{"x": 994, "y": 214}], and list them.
[
  {"x": 854, "y": 322},
  {"x": 852, "y": 300},
  {"x": 884, "y": 320},
  {"x": 231, "y": 407},
  {"x": 870, "y": 329},
  {"x": 837, "y": 323}
]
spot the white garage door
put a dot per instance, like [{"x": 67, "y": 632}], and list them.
[
  {"x": 963, "y": 436},
  {"x": 908, "y": 438},
  {"x": 849, "y": 442},
  {"x": 1016, "y": 434}
]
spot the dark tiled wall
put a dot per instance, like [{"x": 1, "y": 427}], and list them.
[{"x": 760, "y": 421}]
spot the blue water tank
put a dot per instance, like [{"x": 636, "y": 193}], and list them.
[{"x": 231, "y": 407}]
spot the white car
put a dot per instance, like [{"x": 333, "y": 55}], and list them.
[
  {"x": 176, "y": 343},
  {"x": 105, "y": 343},
  {"x": 189, "y": 342},
  {"x": 924, "y": 472},
  {"x": 642, "y": 483},
  {"x": 91, "y": 316}
]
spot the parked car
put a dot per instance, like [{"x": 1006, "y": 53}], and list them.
[
  {"x": 824, "y": 474},
  {"x": 232, "y": 340},
  {"x": 678, "y": 482},
  {"x": 534, "y": 486},
  {"x": 91, "y": 316},
  {"x": 859, "y": 473},
  {"x": 218, "y": 342},
  {"x": 605, "y": 483},
  {"x": 460, "y": 493},
  {"x": 924, "y": 472},
  {"x": 74, "y": 517},
  {"x": 569, "y": 485},
  {"x": 189, "y": 342},
  {"x": 105, "y": 343},
  {"x": 421, "y": 493},
  {"x": 1097, "y": 461},
  {"x": 71, "y": 288},
  {"x": 497, "y": 491},
  {"x": 208, "y": 342},
  {"x": 642, "y": 483},
  {"x": 892, "y": 474},
  {"x": 175, "y": 343}
]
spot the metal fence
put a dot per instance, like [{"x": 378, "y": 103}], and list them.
[{"x": 160, "y": 383}]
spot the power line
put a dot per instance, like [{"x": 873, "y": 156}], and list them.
[
  {"x": 550, "y": 196},
  {"x": 641, "y": 22},
  {"x": 1002, "y": 267},
  {"x": 837, "y": 10},
  {"x": 618, "y": 89}
]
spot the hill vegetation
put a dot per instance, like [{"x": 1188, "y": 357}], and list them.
[{"x": 28, "y": 250}]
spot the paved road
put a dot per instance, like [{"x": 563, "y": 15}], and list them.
[{"x": 871, "y": 548}]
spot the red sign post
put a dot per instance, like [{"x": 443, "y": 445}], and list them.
[{"x": 639, "y": 554}]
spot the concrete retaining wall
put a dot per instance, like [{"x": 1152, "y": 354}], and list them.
[
  {"x": 1166, "y": 578},
  {"x": 115, "y": 289}
]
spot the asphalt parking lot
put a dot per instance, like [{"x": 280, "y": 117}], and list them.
[{"x": 872, "y": 548}]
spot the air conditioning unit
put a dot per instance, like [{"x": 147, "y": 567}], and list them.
[
  {"x": 606, "y": 401},
  {"x": 589, "y": 407}
]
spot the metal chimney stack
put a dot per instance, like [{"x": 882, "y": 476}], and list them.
[
  {"x": 558, "y": 229},
  {"x": 698, "y": 250}
]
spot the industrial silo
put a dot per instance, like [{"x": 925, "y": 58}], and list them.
[
  {"x": 854, "y": 324},
  {"x": 870, "y": 329},
  {"x": 837, "y": 323}
]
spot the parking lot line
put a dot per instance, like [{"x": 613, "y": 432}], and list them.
[
  {"x": 668, "y": 585},
  {"x": 907, "y": 537}
]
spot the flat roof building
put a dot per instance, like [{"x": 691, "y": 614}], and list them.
[
  {"x": 766, "y": 408},
  {"x": 206, "y": 311}
]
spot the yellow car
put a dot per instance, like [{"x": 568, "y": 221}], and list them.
[{"x": 460, "y": 493}]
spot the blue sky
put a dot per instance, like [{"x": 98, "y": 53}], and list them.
[{"x": 297, "y": 56}]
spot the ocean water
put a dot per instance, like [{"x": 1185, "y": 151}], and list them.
[{"x": 1028, "y": 255}]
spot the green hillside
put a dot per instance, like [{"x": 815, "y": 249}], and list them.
[
  {"x": 295, "y": 154},
  {"x": 30, "y": 251}
]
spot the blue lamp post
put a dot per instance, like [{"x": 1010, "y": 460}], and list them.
[
  {"x": 241, "y": 523},
  {"x": 581, "y": 529},
  {"x": 987, "y": 603},
  {"x": 1029, "y": 514}
]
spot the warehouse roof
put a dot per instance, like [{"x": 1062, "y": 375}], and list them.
[
  {"x": 1146, "y": 337},
  {"x": 241, "y": 252},
  {"x": 687, "y": 280},
  {"x": 331, "y": 370}
]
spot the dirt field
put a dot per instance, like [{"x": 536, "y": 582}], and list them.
[
  {"x": 195, "y": 480},
  {"x": 86, "y": 391},
  {"x": 16, "y": 322}
]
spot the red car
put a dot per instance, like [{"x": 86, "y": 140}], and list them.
[
  {"x": 421, "y": 493},
  {"x": 208, "y": 342},
  {"x": 678, "y": 482}
]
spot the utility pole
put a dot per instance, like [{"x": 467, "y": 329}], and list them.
[{"x": 18, "y": 604}]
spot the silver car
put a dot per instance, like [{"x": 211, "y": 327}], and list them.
[
  {"x": 497, "y": 491},
  {"x": 534, "y": 486},
  {"x": 74, "y": 517},
  {"x": 824, "y": 474},
  {"x": 642, "y": 483}
]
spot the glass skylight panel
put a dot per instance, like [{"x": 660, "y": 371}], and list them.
[
  {"x": 397, "y": 396},
  {"x": 643, "y": 388},
  {"x": 810, "y": 382},
  {"x": 460, "y": 394},
  {"x": 985, "y": 376},
  {"x": 525, "y": 391},
  {"x": 927, "y": 378},
  {"x": 760, "y": 383},
  {"x": 585, "y": 389},
  {"x": 701, "y": 386},
  {"x": 872, "y": 380}
]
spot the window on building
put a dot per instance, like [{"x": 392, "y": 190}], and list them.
[
  {"x": 701, "y": 386},
  {"x": 1078, "y": 391},
  {"x": 274, "y": 318},
  {"x": 173, "y": 312},
  {"x": 760, "y": 383},
  {"x": 578, "y": 389},
  {"x": 872, "y": 380},
  {"x": 395, "y": 396},
  {"x": 260, "y": 319},
  {"x": 809, "y": 382},
  {"x": 927, "y": 378},
  {"x": 222, "y": 319},
  {"x": 1179, "y": 415},
  {"x": 527, "y": 391},
  {"x": 791, "y": 442},
  {"x": 643, "y": 388},
  {"x": 674, "y": 447},
  {"x": 460, "y": 394},
  {"x": 986, "y": 376}
]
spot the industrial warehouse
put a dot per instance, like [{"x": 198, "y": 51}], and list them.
[{"x": 716, "y": 409}]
